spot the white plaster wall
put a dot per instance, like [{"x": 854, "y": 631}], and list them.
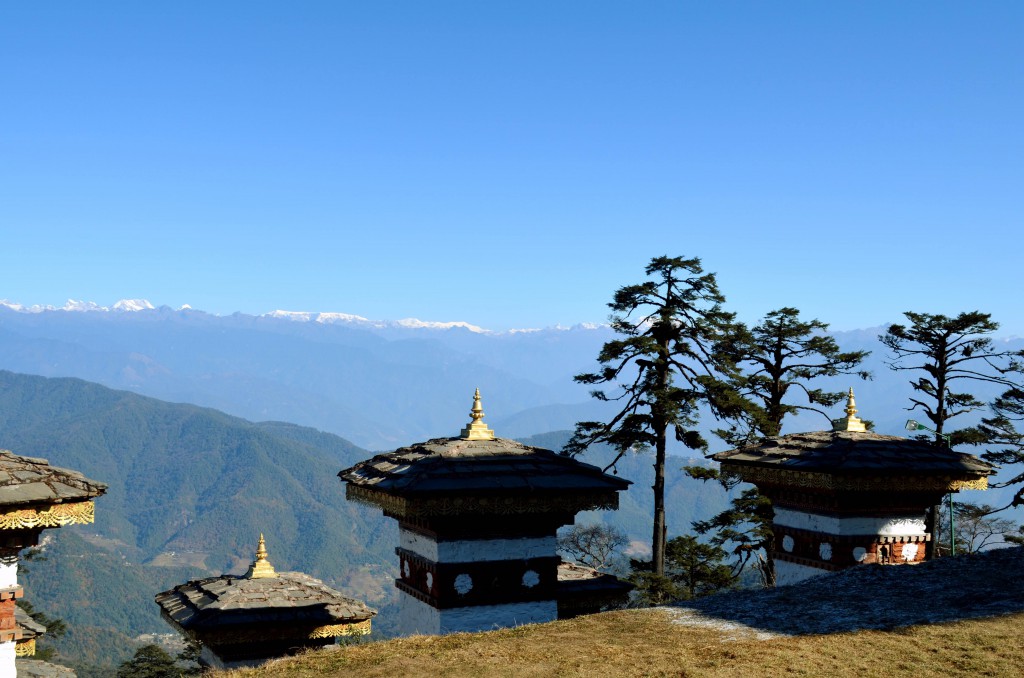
[
  {"x": 490, "y": 617},
  {"x": 8, "y": 571},
  {"x": 886, "y": 527},
  {"x": 7, "y": 667},
  {"x": 475, "y": 550},
  {"x": 416, "y": 617},
  {"x": 787, "y": 573}
]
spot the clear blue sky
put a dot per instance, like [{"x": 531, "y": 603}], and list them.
[{"x": 511, "y": 163}]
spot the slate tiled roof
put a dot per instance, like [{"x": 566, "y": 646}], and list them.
[
  {"x": 30, "y": 628},
  {"x": 25, "y": 481},
  {"x": 855, "y": 453},
  {"x": 454, "y": 466},
  {"x": 229, "y": 600}
]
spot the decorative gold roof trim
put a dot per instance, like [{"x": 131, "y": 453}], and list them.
[
  {"x": 337, "y": 630},
  {"x": 401, "y": 507},
  {"x": 828, "y": 481},
  {"x": 252, "y": 634},
  {"x": 57, "y": 515},
  {"x": 25, "y": 648}
]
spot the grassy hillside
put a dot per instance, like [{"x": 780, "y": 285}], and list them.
[
  {"x": 954, "y": 617},
  {"x": 648, "y": 643}
]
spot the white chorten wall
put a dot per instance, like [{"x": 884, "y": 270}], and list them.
[
  {"x": 855, "y": 525},
  {"x": 476, "y": 550},
  {"x": 809, "y": 544},
  {"x": 7, "y": 656},
  {"x": 416, "y": 617},
  {"x": 8, "y": 580},
  {"x": 8, "y": 571},
  {"x": 436, "y": 575}
]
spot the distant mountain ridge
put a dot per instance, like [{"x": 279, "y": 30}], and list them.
[
  {"x": 380, "y": 384},
  {"x": 129, "y": 305}
]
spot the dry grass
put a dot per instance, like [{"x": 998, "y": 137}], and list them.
[{"x": 648, "y": 643}]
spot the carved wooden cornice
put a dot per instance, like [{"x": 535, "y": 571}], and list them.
[
  {"x": 56, "y": 515},
  {"x": 828, "y": 481},
  {"x": 402, "y": 507}
]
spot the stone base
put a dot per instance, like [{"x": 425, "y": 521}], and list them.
[{"x": 416, "y": 617}]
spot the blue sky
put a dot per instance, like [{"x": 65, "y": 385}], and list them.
[{"x": 511, "y": 164}]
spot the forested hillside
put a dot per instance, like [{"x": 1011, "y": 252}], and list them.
[{"x": 190, "y": 489}]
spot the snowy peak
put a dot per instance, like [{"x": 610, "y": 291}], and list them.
[
  {"x": 137, "y": 305},
  {"x": 347, "y": 318},
  {"x": 133, "y": 305},
  {"x": 74, "y": 305}
]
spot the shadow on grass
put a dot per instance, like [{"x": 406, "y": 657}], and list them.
[{"x": 871, "y": 597}]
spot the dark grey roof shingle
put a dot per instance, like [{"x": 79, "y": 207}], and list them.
[
  {"x": 456, "y": 466},
  {"x": 855, "y": 453}
]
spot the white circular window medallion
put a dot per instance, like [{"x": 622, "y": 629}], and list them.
[
  {"x": 787, "y": 544},
  {"x": 909, "y": 551},
  {"x": 405, "y": 568},
  {"x": 859, "y": 554},
  {"x": 430, "y": 580},
  {"x": 825, "y": 551},
  {"x": 463, "y": 584},
  {"x": 530, "y": 579}
]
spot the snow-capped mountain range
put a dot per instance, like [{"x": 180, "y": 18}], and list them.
[{"x": 328, "y": 318}]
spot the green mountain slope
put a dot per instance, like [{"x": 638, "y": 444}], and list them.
[{"x": 189, "y": 489}]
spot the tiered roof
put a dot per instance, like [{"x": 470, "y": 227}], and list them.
[
  {"x": 35, "y": 494},
  {"x": 851, "y": 457},
  {"x": 287, "y": 603}
]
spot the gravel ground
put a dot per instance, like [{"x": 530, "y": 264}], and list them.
[{"x": 868, "y": 597}]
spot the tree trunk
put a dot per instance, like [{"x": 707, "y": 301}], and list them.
[
  {"x": 660, "y": 426},
  {"x": 660, "y": 530}
]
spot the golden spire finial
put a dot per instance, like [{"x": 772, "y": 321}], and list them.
[
  {"x": 477, "y": 429},
  {"x": 261, "y": 567},
  {"x": 850, "y": 422}
]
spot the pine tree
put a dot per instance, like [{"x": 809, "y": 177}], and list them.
[
  {"x": 953, "y": 353},
  {"x": 149, "y": 661},
  {"x": 663, "y": 368},
  {"x": 950, "y": 351},
  {"x": 1000, "y": 430},
  {"x": 781, "y": 355}
]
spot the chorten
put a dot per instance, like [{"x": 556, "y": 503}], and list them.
[
  {"x": 34, "y": 496},
  {"x": 477, "y": 517},
  {"x": 850, "y": 496},
  {"x": 263, "y": 614}
]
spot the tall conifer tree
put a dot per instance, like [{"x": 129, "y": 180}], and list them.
[
  {"x": 1000, "y": 430},
  {"x": 663, "y": 369},
  {"x": 781, "y": 355},
  {"x": 953, "y": 353}
]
